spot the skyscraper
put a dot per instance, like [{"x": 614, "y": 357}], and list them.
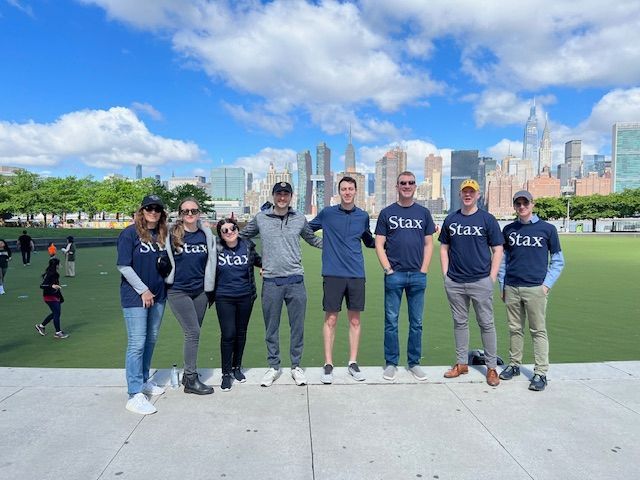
[
  {"x": 350, "y": 156},
  {"x": 433, "y": 174},
  {"x": 530, "y": 143},
  {"x": 227, "y": 183},
  {"x": 546, "y": 152},
  {"x": 324, "y": 188},
  {"x": 138, "y": 172},
  {"x": 249, "y": 181},
  {"x": 593, "y": 163},
  {"x": 625, "y": 156},
  {"x": 371, "y": 183},
  {"x": 388, "y": 168},
  {"x": 464, "y": 164},
  {"x": 573, "y": 158},
  {"x": 304, "y": 182}
]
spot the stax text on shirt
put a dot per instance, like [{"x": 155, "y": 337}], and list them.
[
  {"x": 401, "y": 222},
  {"x": 466, "y": 230},
  {"x": 517, "y": 240},
  {"x": 146, "y": 247},
  {"x": 226, "y": 259}
]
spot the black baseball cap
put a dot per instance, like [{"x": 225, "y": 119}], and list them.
[
  {"x": 152, "y": 199},
  {"x": 282, "y": 187}
]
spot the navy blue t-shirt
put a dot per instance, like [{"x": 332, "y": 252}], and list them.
[
  {"x": 528, "y": 246},
  {"x": 142, "y": 257},
  {"x": 232, "y": 273},
  {"x": 191, "y": 262},
  {"x": 405, "y": 229},
  {"x": 470, "y": 238}
]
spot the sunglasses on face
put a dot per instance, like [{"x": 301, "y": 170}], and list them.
[
  {"x": 153, "y": 208},
  {"x": 523, "y": 203},
  {"x": 226, "y": 230},
  {"x": 190, "y": 211},
  {"x": 408, "y": 182}
]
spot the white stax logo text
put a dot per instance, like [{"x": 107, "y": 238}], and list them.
[
  {"x": 400, "y": 222},
  {"x": 146, "y": 247},
  {"x": 232, "y": 259},
  {"x": 466, "y": 230},
  {"x": 517, "y": 240}
]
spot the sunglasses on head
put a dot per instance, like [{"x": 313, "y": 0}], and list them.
[
  {"x": 408, "y": 182},
  {"x": 521, "y": 203},
  {"x": 190, "y": 211},
  {"x": 153, "y": 208},
  {"x": 225, "y": 230}
]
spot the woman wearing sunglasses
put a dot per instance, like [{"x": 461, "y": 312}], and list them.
[
  {"x": 235, "y": 294},
  {"x": 142, "y": 296},
  {"x": 192, "y": 254}
]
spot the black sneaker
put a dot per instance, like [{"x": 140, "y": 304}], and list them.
[
  {"x": 226, "y": 382},
  {"x": 238, "y": 375},
  {"x": 538, "y": 383},
  {"x": 510, "y": 372}
]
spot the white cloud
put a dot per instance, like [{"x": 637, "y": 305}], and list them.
[
  {"x": 502, "y": 107},
  {"x": 276, "y": 123},
  {"x": 98, "y": 138},
  {"x": 259, "y": 163},
  {"x": 26, "y": 9},
  {"x": 147, "y": 109}
]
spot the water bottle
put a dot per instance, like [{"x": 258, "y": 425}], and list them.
[{"x": 174, "y": 376}]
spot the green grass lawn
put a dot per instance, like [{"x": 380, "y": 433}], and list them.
[{"x": 593, "y": 314}]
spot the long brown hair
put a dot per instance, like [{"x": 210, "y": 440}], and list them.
[
  {"x": 143, "y": 231},
  {"x": 177, "y": 232}
]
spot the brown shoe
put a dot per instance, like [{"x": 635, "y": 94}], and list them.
[
  {"x": 492, "y": 377},
  {"x": 457, "y": 370}
]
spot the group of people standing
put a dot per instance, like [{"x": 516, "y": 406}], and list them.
[{"x": 192, "y": 269}]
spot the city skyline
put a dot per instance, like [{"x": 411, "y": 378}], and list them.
[{"x": 91, "y": 87}]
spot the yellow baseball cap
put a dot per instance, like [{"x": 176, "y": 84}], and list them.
[{"x": 470, "y": 182}]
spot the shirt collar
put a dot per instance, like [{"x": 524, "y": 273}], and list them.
[{"x": 534, "y": 219}]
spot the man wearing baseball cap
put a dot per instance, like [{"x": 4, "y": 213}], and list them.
[
  {"x": 531, "y": 265},
  {"x": 280, "y": 227},
  {"x": 470, "y": 256}
]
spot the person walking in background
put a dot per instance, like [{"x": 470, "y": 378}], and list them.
[
  {"x": 5, "y": 256},
  {"x": 283, "y": 277},
  {"x": 191, "y": 248},
  {"x": 532, "y": 264},
  {"x": 26, "y": 247},
  {"x": 470, "y": 256},
  {"x": 52, "y": 295},
  {"x": 234, "y": 296},
  {"x": 69, "y": 257},
  {"x": 53, "y": 251},
  {"x": 404, "y": 245},
  {"x": 343, "y": 226},
  {"x": 142, "y": 297}
]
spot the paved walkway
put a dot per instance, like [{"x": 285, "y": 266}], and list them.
[{"x": 71, "y": 424}]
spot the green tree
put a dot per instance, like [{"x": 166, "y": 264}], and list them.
[
  {"x": 184, "y": 191},
  {"x": 628, "y": 202},
  {"x": 550, "y": 208},
  {"x": 24, "y": 193},
  {"x": 593, "y": 207}
]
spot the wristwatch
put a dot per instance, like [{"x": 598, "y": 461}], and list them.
[{"x": 387, "y": 271}]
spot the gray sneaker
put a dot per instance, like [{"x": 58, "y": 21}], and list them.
[
  {"x": 418, "y": 373},
  {"x": 354, "y": 371},
  {"x": 390, "y": 373},
  {"x": 270, "y": 376},
  {"x": 327, "y": 374},
  {"x": 298, "y": 376}
]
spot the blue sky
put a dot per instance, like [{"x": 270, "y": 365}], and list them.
[{"x": 91, "y": 87}]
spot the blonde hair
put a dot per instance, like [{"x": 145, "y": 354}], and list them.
[
  {"x": 177, "y": 232},
  {"x": 143, "y": 231}
]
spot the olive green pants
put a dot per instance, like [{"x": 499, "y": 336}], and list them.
[{"x": 527, "y": 303}]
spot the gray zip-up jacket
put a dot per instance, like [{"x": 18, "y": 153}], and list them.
[
  {"x": 212, "y": 259},
  {"x": 281, "y": 254}
]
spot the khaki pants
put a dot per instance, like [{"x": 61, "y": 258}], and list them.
[
  {"x": 69, "y": 269},
  {"x": 527, "y": 303}
]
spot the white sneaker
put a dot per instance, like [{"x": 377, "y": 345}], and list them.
[
  {"x": 150, "y": 388},
  {"x": 270, "y": 376},
  {"x": 418, "y": 373},
  {"x": 390, "y": 373},
  {"x": 298, "y": 376},
  {"x": 139, "y": 404}
]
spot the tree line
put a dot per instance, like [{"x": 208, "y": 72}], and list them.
[{"x": 29, "y": 194}]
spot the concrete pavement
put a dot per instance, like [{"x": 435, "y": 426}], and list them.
[{"x": 71, "y": 424}]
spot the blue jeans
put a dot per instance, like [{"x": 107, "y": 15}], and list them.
[
  {"x": 414, "y": 284},
  {"x": 143, "y": 325}
]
